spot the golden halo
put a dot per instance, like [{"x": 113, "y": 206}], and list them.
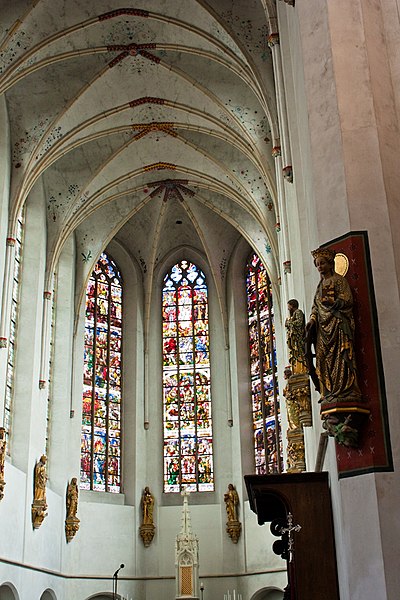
[{"x": 341, "y": 263}]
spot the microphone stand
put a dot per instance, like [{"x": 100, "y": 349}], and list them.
[{"x": 115, "y": 581}]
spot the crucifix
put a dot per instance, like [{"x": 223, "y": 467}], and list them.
[{"x": 289, "y": 530}]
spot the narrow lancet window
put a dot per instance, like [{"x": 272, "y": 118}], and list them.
[
  {"x": 101, "y": 415},
  {"x": 264, "y": 385},
  {"x": 9, "y": 392},
  {"x": 188, "y": 453}
]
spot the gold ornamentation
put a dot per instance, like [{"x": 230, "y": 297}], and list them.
[
  {"x": 72, "y": 521},
  {"x": 233, "y": 525},
  {"x": 298, "y": 406},
  {"x": 147, "y": 533},
  {"x": 3, "y": 445},
  {"x": 147, "y": 506},
  {"x": 299, "y": 386},
  {"x": 331, "y": 331},
  {"x": 341, "y": 263},
  {"x": 71, "y": 527},
  {"x": 326, "y": 253},
  {"x": 147, "y": 528},
  {"x": 233, "y": 529},
  {"x": 296, "y": 461},
  {"x": 39, "y": 505}
]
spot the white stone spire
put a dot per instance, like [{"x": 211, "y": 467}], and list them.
[
  {"x": 186, "y": 529},
  {"x": 186, "y": 555}
]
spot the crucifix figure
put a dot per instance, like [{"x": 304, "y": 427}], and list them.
[{"x": 289, "y": 530}]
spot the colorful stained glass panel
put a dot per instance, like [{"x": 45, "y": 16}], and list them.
[
  {"x": 186, "y": 381},
  {"x": 264, "y": 389},
  {"x": 101, "y": 409}
]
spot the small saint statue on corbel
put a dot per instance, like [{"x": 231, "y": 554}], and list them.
[
  {"x": 233, "y": 525},
  {"x": 2, "y": 460},
  {"x": 298, "y": 382},
  {"x": 147, "y": 528},
  {"x": 39, "y": 505},
  {"x": 71, "y": 520}
]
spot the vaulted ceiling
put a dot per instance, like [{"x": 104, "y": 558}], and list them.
[{"x": 151, "y": 121}]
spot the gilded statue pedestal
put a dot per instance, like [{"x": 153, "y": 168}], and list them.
[
  {"x": 298, "y": 406},
  {"x": 2, "y": 486},
  {"x": 233, "y": 529},
  {"x": 296, "y": 460},
  {"x": 39, "y": 508},
  {"x": 71, "y": 527},
  {"x": 147, "y": 531},
  {"x": 299, "y": 387}
]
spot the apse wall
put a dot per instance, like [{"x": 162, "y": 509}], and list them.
[{"x": 36, "y": 560}]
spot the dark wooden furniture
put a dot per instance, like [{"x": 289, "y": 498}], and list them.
[{"x": 312, "y": 573}]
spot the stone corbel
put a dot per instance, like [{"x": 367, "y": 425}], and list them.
[
  {"x": 344, "y": 423},
  {"x": 288, "y": 173},
  {"x": 71, "y": 527},
  {"x": 233, "y": 529},
  {"x": 147, "y": 531},
  {"x": 39, "y": 508}
]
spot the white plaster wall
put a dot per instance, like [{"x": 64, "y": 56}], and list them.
[
  {"x": 64, "y": 460},
  {"x": 12, "y": 514},
  {"x": 344, "y": 128},
  {"x": 106, "y": 539},
  {"x": 29, "y": 405}
]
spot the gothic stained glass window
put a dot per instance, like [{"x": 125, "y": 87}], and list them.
[
  {"x": 188, "y": 458},
  {"x": 50, "y": 376},
  {"x": 264, "y": 386},
  {"x": 101, "y": 414},
  {"x": 13, "y": 326}
]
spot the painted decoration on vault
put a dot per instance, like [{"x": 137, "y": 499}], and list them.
[
  {"x": 264, "y": 386},
  {"x": 188, "y": 457},
  {"x": 101, "y": 415}
]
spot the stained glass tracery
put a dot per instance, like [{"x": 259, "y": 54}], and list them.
[
  {"x": 188, "y": 444},
  {"x": 101, "y": 414},
  {"x": 264, "y": 386}
]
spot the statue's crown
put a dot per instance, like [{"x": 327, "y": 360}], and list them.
[{"x": 326, "y": 253}]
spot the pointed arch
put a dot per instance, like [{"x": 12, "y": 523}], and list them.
[
  {"x": 102, "y": 393},
  {"x": 188, "y": 443}
]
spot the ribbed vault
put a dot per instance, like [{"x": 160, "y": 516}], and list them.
[{"x": 150, "y": 121}]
